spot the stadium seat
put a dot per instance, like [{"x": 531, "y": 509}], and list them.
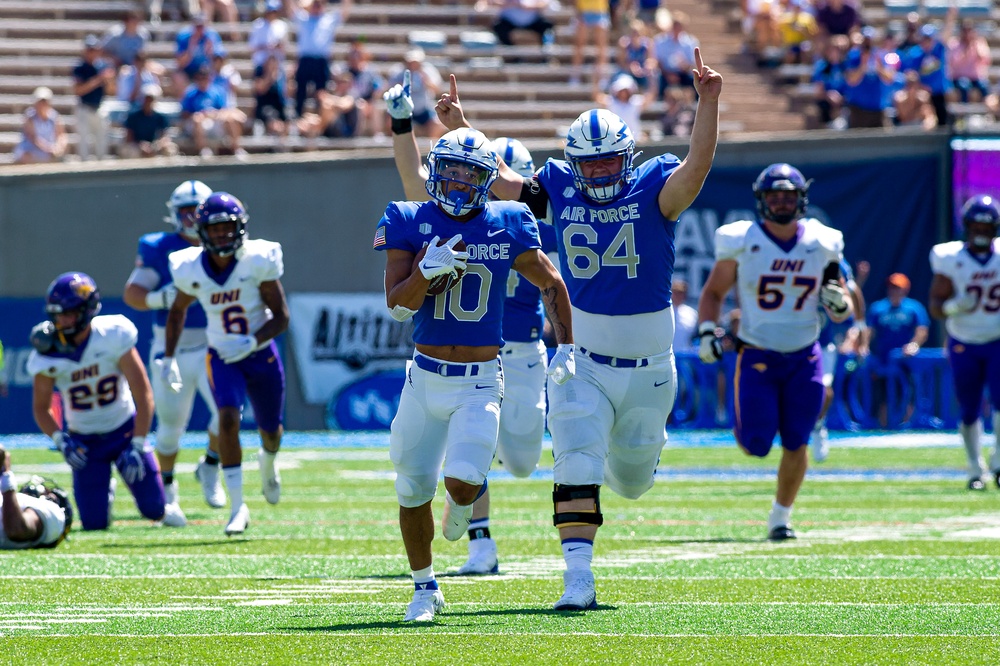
[
  {"x": 901, "y": 6},
  {"x": 428, "y": 40}
]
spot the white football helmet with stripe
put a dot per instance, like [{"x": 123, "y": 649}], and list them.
[
  {"x": 596, "y": 135},
  {"x": 515, "y": 155},
  {"x": 189, "y": 194},
  {"x": 462, "y": 166}
]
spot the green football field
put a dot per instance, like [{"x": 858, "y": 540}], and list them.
[{"x": 896, "y": 563}]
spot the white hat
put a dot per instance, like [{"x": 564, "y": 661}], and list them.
[
  {"x": 623, "y": 82},
  {"x": 43, "y": 92},
  {"x": 151, "y": 90},
  {"x": 414, "y": 55}
]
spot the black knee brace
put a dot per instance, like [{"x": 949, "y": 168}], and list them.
[{"x": 563, "y": 493}]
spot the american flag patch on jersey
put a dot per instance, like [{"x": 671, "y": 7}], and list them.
[{"x": 379, "y": 237}]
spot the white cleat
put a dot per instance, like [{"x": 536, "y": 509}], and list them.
[
  {"x": 580, "y": 593},
  {"x": 211, "y": 486},
  {"x": 170, "y": 492},
  {"x": 173, "y": 516},
  {"x": 455, "y": 522},
  {"x": 424, "y": 605},
  {"x": 239, "y": 521},
  {"x": 482, "y": 560},
  {"x": 270, "y": 480},
  {"x": 820, "y": 444}
]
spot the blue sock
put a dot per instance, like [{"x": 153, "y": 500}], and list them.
[{"x": 424, "y": 579}]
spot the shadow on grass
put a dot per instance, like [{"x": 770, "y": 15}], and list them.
[
  {"x": 447, "y": 618},
  {"x": 159, "y": 545}
]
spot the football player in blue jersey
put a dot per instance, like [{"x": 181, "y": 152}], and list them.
[
  {"x": 93, "y": 362},
  {"x": 522, "y": 418},
  {"x": 150, "y": 287},
  {"x": 614, "y": 225},
  {"x": 449, "y": 410}
]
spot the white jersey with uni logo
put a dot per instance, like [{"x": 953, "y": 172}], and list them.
[
  {"x": 231, "y": 299},
  {"x": 96, "y": 397},
  {"x": 978, "y": 277},
  {"x": 778, "y": 282}
]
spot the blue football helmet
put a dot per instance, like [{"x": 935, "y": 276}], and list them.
[
  {"x": 786, "y": 178},
  {"x": 72, "y": 292},
  {"x": 515, "y": 155},
  {"x": 220, "y": 208},
  {"x": 599, "y": 134},
  {"x": 189, "y": 194},
  {"x": 462, "y": 157},
  {"x": 981, "y": 209}
]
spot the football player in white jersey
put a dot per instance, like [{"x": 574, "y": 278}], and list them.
[
  {"x": 38, "y": 515},
  {"x": 238, "y": 283},
  {"x": 522, "y": 415},
  {"x": 150, "y": 287},
  {"x": 783, "y": 265},
  {"x": 965, "y": 292},
  {"x": 93, "y": 362},
  {"x": 615, "y": 227}
]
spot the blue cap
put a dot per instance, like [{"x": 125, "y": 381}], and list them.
[
  {"x": 868, "y": 32},
  {"x": 928, "y": 31},
  {"x": 272, "y": 6}
]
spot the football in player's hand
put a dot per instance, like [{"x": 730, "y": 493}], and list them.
[{"x": 441, "y": 283}]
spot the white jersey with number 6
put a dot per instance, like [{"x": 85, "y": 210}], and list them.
[
  {"x": 977, "y": 278},
  {"x": 778, "y": 283},
  {"x": 96, "y": 396},
  {"x": 231, "y": 299}
]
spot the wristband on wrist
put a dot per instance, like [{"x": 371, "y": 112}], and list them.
[
  {"x": 7, "y": 482},
  {"x": 402, "y": 125}
]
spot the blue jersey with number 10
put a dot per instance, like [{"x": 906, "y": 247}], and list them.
[
  {"x": 470, "y": 314},
  {"x": 153, "y": 252},
  {"x": 617, "y": 258}
]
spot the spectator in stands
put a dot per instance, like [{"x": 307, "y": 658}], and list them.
[
  {"x": 837, "y": 17},
  {"x": 798, "y": 28},
  {"x": 829, "y": 83},
  {"x": 224, "y": 10},
  {"x": 635, "y": 55},
  {"x": 685, "y": 317},
  {"x": 869, "y": 80},
  {"x": 316, "y": 27},
  {"x": 969, "y": 61},
  {"x": 146, "y": 129},
  {"x": 895, "y": 322},
  {"x": 760, "y": 28},
  {"x": 269, "y": 94},
  {"x": 911, "y": 33},
  {"x": 131, "y": 79},
  {"x": 226, "y": 77},
  {"x": 520, "y": 15},
  {"x": 645, "y": 11},
  {"x": 426, "y": 86},
  {"x": 339, "y": 114},
  {"x": 189, "y": 8},
  {"x": 206, "y": 118},
  {"x": 122, "y": 42},
  {"x": 43, "y": 137},
  {"x": 625, "y": 100},
  {"x": 678, "y": 116},
  {"x": 269, "y": 37},
  {"x": 93, "y": 78},
  {"x": 592, "y": 19},
  {"x": 365, "y": 85},
  {"x": 930, "y": 59},
  {"x": 196, "y": 44},
  {"x": 675, "y": 54},
  {"x": 913, "y": 104}
]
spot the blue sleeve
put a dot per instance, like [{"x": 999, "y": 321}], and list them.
[
  {"x": 392, "y": 231},
  {"x": 921, "y": 313},
  {"x": 873, "y": 314},
  {"x": 187, "y": 102},
  {"x": 182, "y": 42},
  {"x": 547, "y": 233},
  {"x": 529, "y": 235},
  {"x": 817, "y": 73}
]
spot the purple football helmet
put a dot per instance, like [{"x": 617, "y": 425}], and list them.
[
  {"x": 981, "y": 209},
  {"x": 73, "y": 292},
  {"x": 222, "y": 208},
  {"x": 781, "y": 177}
]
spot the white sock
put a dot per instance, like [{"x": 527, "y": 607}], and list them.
[
  {"x": 423, "y": 579},
  {"x": 971, "y": 434},
  {"x": 578, "y": 553},
  {"x": 266, "y": 459},
  {"x": 780, "y": 516},
  {"x": 234, "y": 484}
]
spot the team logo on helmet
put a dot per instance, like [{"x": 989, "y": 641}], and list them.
[
  {"x": 72, "y": 293},
  {"x": 462, "y": 167},
  {"x": 599, "y": 134}
]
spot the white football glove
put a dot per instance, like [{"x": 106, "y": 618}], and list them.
[
  {"x": 161, "y": 299},
  {"x": 443, "y": 259},
  {"x": 562, "y": 367},
  {"x": 709, "y": 344},
  {"x": 236, "y": 347},
  {"x": 130, "y": 462},
  {"x": 834, "y": 297},
  {"x": 398, "y": 102},
  {"x": 959, "y": 305},
  {"x": 170, "y": 373}
]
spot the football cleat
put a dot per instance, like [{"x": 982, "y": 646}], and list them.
[
  {"x": 996, "y": 477},
  {"x": 482, "y": 560},
  {"x": 781, "y": 533},
  {"x": 173, "y": 516},
  {"x": 239, "y": 521},
  {"x": 579, "y": 591},
  {"x": 211, "y": 486},
  {"x": 270, "y": 480},
  {"x": 821, "y": 444},
  {"x": 170, "y": 492},
  {"x": 424, "y": 605},
  {"x": 455, "y": 522},
  {"x": 976, "y": 483}
]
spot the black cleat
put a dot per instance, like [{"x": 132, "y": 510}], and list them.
[
  {"x": 781, "y": 533},
  {"x": 996, "y": 477},
  {"x": 976, "y": 484}
]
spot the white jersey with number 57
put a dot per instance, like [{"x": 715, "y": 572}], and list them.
[
  {"x": 231, "y": 299},
  {"x": 778, "y": 283},
  {"x": 979, "y": 278}
]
